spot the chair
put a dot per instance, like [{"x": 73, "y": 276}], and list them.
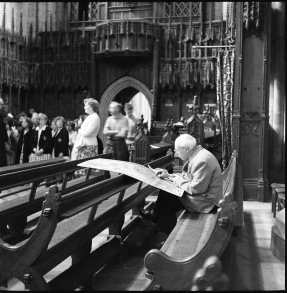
[
  {"x": 281, "y": 200},
  {"x": 275, "y": 196}
]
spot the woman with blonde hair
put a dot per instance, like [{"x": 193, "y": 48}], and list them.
[
  {"x": 87, "y": 142},
  {"x": 41, "y": 140}
]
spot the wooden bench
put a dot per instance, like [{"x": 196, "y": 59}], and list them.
[
  {"x": 57, "y": 237},
  {"x": 24, "y": 202},
  {"x": 9, "y": 178},
  {"x": 195, "y": 238}
]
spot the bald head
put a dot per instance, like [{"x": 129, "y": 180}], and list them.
[
  {"x": 185, "y": 140},
  {"x": 115, "y": 108}
]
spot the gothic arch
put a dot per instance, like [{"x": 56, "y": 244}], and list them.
[{"x": 117, "y": 86}]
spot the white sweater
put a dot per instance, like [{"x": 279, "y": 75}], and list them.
[{"x": 90, "y": 129}]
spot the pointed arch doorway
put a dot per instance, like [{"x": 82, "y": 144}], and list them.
[{"x": 123, "y": 90}]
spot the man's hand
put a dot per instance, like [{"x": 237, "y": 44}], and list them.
[{"x": 162, "y": 173}]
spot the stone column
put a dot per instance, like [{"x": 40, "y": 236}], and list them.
[{"x": 277, "y": 100}]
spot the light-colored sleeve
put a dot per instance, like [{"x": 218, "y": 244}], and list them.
[
  {"x": 124, "y": 128},
  {"x": 107, "y": 126},
  {"x": 198, "y": 182},
  {"x": 74, "y": 136},
  {"x": 92, "y": 127}
]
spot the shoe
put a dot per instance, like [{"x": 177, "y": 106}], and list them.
[{"x": 148, "y": 215}]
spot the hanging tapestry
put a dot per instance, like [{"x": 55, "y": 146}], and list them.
[{"x": 224, "y": 93}]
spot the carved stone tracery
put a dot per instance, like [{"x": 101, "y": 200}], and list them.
[
  {"x": 253, "y": 17},
  {"x": 250, "y": 123}
]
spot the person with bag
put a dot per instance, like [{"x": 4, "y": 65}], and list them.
[{"x": 41, "y": 141}]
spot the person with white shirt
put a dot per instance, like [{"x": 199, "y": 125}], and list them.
[
  {"x": 88, "y": 142},
  {"x": 41, "y": 140},
  {"x": 116, "y": 129}
]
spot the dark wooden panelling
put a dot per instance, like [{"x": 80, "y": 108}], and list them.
[{"x": 117, "y": 67}]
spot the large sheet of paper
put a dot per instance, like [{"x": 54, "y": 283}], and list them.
[{"x": 134, "y": 170}]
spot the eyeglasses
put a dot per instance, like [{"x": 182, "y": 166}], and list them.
[{"x": 177, "y": 150}]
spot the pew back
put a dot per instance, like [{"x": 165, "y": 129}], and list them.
[{"x": 195, "y": 238}]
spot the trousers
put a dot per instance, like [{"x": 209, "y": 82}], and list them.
[{"x": 166, "y": 207}]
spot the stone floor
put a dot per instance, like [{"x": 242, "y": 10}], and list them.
[{"x": 247, "y": 259}]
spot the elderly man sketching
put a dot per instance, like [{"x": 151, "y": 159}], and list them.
[{"x": 201, "y": 179}]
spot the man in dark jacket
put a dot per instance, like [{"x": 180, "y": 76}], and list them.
[{"x": 3, "y": 137}]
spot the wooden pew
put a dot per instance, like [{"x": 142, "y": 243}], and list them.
[
  {"x": 49, "y": 244},
  {"x": 195, "y": 238},
  {"x": 8, "y": 175},
  {"x": 28, "y": 201}
]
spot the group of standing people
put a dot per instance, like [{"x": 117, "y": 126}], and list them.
[{"x": 33, "y": 139}]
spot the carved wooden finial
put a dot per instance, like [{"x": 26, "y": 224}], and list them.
[
  {"x": 210, "y": 277},
  {"x": 210, "y": 15},
  {"x": 51, "y": 31},
  {"x": 67, "y": 40},
  {"x": 31, "y": 30},
  {"x": 190, "y": 15},
  {"x": 12, "y": 22},
  {"x": 83, "y": 29},
  {"x": 21, "y": 25},
  {"x": 51, "y": 23},
  {"x": 4, "y": 17},
  {"x": 142, "y": 144}
]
